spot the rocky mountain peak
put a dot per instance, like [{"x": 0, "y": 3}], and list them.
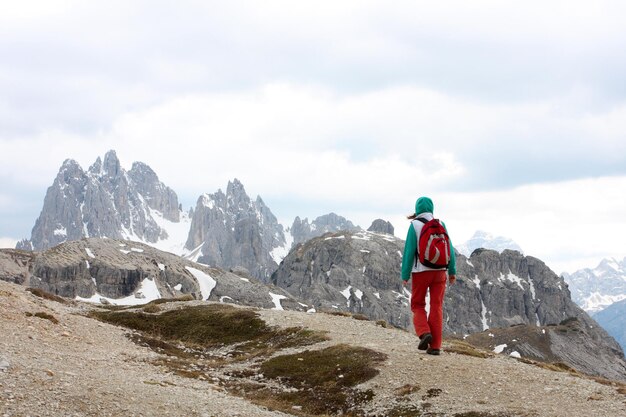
[
  {"x": 231, "y": 230},
  {"x": 302, "y": 230},
  {"x": 105, "y": 201},
  {"x": 96, "y": 167},
  {"x": 381, "y": 226},
  {"x": 111, "y": 166}
]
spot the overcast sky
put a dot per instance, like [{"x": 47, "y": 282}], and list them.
[{"x": 510, "y": 115}]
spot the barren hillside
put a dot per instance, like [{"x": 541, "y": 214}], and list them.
[{"x": 58, "y": 359}]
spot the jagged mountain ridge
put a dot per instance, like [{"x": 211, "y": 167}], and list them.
[
  {"x": 226, "y": 230},
  {"x": 359, "y": 272},
  {"x": 105, "y": 200},
  {"x": 230, "y": 230}
]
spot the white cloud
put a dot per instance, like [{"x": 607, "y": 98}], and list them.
[
  {"x": 7, "y": 242},
  {"x": 490, "y": 107}
]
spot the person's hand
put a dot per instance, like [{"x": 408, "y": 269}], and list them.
[
  {"x": 405, "y": 283},
  {"x": 452, "y": 279}
]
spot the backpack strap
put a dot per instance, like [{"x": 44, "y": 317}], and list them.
[{"x": 423, "y": 220}]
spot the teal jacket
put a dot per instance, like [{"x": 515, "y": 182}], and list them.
[{"x": 422, "y": 205}]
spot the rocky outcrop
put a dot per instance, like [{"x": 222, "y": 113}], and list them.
[
  {"x": 348, "y": 271},
  {"x": 230, "y": 230},
  {"x": 360, "y": 273},
  {"x": 124, "y": 272},
  {"x": 105, "y": 201},
  {"x": 381, "y": 226},
  {"x": 302, "y": 230},
  {"x": 571, "y": 342}
]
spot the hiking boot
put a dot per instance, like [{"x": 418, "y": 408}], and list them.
[
  {"x": 425, "y": 339},
  {"x": 432, "y": 351}
]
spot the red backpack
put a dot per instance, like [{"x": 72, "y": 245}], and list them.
[{"x": 433, "y": 247}]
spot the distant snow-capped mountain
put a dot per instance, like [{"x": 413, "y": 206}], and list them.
[
  {"x": 595, "y": 289},
  {"x": 486, "y": 240},
  {"x": 107, "y": 201}
]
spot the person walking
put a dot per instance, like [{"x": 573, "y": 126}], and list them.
[{"x": 427, "y": 272}]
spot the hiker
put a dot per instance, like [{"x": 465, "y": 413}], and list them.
[{"x": 427, "y": 272}]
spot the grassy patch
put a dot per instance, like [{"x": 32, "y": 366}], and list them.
[
  {"x": 463, "y": 348},
  {"x": 46, "y": 295},
  {"x": 151, "y": 308},
  {"x": 482, "y": 414},
  {"x": 43, "y": 315},
  {"x": 322, "y": 381},
  {"x": 212, "y": 326},
  {"x": 555, "y": 366},
  {"x": 407, "y": 389}
]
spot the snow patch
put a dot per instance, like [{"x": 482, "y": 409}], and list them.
[
  {"x": 276, "y": 300},
  {"x": 146, "y": 292},
  {"x": 178, "y": 287},
  {"x": 136, "y": 250},
  {"x": 205, "y": 281},
  {"x": 90, "y": 253},
  {"x": 377, "y": 295},
  {"x": 515, "y": 354},
  {"x": 512, "y": 278},
  {"x": 346, "y": 293},
  {"x": 499, "y": 348},
  {"x": 161, "y": 266}
]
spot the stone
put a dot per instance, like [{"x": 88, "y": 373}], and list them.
[
  {"x": 4, "y": 364},
  {"x": 381, "y": 226}
]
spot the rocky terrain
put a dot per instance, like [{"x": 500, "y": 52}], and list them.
[
  {"x": 359, "y": 273},
  {"x": 57, "y": 359},
  {"x": 302, "y": 230},
  {"x": 122, "y": 272}
]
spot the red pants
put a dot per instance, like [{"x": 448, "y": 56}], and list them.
[{"x": 435, "y": 281}]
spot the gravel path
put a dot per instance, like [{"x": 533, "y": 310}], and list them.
[{"x": 82, "y": 367}]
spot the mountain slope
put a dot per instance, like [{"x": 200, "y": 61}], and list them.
[
  {"x": 104, "y": 201},
  {"x": 81, "y": 366},
  {"x": 122, "y": 272},
  {"x": 613, "y": 320},
  {"x": 359, "y": 273}
]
